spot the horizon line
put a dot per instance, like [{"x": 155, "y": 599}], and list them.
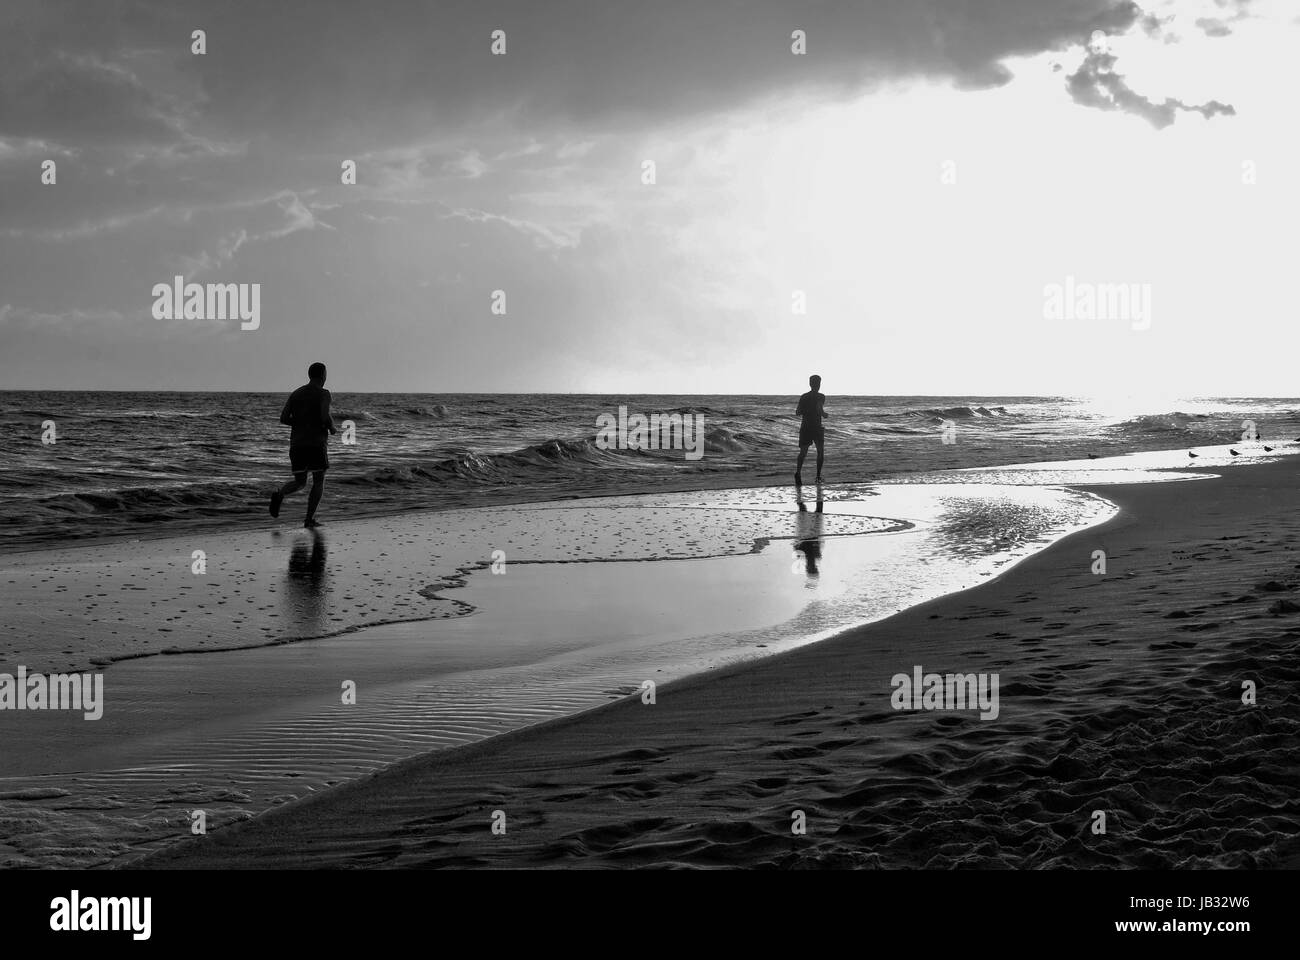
[{"x": 570, "y": 393}]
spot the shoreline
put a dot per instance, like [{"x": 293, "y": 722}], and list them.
[
  {"x": 263, "y": 725},
  {"x": 460, "y": 500},
  {"x": 570, "y": 786},
  {"x": 424, "y": 558}
]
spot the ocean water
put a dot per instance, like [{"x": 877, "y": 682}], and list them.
[{"x": 146, "y": 464}]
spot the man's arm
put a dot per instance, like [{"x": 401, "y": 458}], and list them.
[
  {"x": 823, "y": 405},
  {"x": 325, "y": 417},
  {"x": 798, "y": 409},
  {"x": 285, "y": 417}
]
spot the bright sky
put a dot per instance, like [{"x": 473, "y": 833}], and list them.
[{"x": 919, "y": 178}]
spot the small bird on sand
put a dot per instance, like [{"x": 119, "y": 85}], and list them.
[
  {"x": 1268, "y": 449},
  {"x": 1233, "y": 452},
  {"x": 1092, "y": 456},
  {"x": 1190, "y": 454}
]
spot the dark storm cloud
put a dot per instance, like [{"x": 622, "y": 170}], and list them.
[
  {"x": 327, "y": 71},
  {"x": 1096, "y": 84}
]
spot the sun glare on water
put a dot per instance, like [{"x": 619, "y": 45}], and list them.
[{"x": 1119, "y": 407}]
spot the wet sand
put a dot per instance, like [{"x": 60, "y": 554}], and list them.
[
  {"x": 1119, "y": 692},
  {"x": 598, "y": 598}
]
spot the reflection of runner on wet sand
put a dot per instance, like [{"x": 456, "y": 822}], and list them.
[
  {"x": 305, "y": 581},
  {"x": 808, "y": 533}
]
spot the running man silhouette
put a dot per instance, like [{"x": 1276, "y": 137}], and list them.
[
  {"x": 812, "y": 407},
  {"x": 307, "y": 411}
]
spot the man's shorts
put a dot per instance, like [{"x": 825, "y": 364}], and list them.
[
  {"x": 810, "y": 435},
  {"x": 305, "y": 459}
]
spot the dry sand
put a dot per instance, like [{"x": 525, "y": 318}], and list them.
[{"x": 1119, "y": 692}]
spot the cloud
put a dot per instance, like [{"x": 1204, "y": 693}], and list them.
[
  {"x": 24, "y": 318},
  {"x": 86, "y": 97},
  {"x": 206, "y": 262},
  {"x": 542, "y": 235},
  {"x": 1096, "y": 84},
  {"x": 574, "y": 151},
  {"x": 313, "y": 72},
  {"x": 468, "y": 164},
  {"x": 1213, "y": 28},
  {"x": 516, "y": 171},
  {"x": 298, "y": 217},
  {"x": 87, "y": 228},
  {"x": 24, "y": 148},
  {"x": 1218, "y": 26}
]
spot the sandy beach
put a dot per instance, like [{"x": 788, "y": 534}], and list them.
[
  {"x": 1121, "y": 692},
  {"x": 222, "y": 685}
]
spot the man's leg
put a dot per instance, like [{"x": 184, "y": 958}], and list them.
[
  {"x": 798, "y": 467},
  {"x": 821, "y": 455},
  {"x": 293, "y": 486},
  {"x": 317, "y": 488}
]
